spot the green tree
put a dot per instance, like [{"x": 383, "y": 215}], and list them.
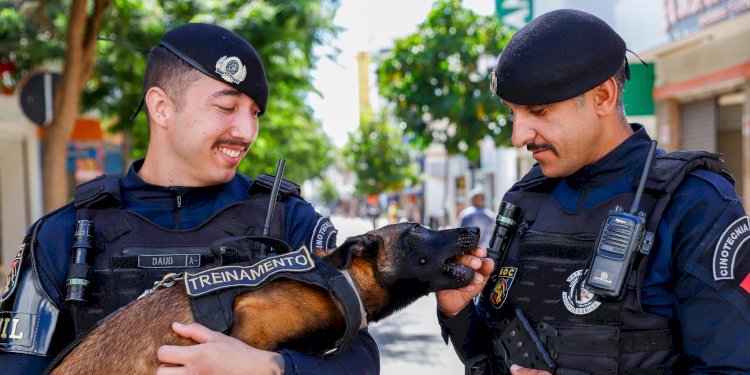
[
  {"x": 284, "y": 33},
  {"x": 328, "y": 192},
  {"x": 82, "y": 27},
  {"x": 379, "y": 157},
  {"x": 438, "y": 80}
]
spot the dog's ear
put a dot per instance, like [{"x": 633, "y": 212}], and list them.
[{"x": 357, "y": 246}]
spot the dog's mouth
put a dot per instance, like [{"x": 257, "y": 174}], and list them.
[{"x": 457, "y": 272}]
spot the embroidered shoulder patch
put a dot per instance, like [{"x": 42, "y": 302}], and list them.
[
  {"x": 501, "y": 290},
  {"x": 252, "y": 276},
  {"x": 324, "y": 235},
  {"x": 727, "y": 247},
  {"x": 15, "y": 269}
]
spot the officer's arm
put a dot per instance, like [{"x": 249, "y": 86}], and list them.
[
  {"x": 361, "y": 357},
  {"x": 712, "y": 289},
  {"x": 467, "y": 331},
  {"x": 24, "y": 344}
]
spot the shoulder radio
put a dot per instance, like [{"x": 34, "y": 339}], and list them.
[{"x": 622, "y": 236}]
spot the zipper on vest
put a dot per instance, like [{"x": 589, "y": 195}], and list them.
[
  {"x": 178, "y": 208},
  {"x": 584, "y": 195}
]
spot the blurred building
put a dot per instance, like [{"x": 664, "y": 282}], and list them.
[
  {"x": 20, "y": 178},
  {"x": 91, "y": 152}
]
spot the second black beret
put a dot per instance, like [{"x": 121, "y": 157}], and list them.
[{"x": 557, "y": 56}]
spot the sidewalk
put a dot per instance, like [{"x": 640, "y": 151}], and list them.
[{"x": 409, "y": 340}]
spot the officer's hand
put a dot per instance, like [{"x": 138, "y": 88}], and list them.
[
  {"x": 518, "y": 370},
  {"x": 451, "y": 302},
  {"x": 215, "y": 353}
]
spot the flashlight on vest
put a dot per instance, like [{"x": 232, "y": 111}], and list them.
[
  {"x": 506, "y": 224},
  {"x": 78, "y": 270}
]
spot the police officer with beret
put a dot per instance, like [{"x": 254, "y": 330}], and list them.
[
  {"x": 204, "y": 91},
  {"x": 684, "y": 305}
]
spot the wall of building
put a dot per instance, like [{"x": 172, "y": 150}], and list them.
[{"x": 20, "y": 178}]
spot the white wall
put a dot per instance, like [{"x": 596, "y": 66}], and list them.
[{"x": 20, "y": 177}]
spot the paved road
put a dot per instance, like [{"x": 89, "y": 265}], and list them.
[{"x": 409, "y": 340}]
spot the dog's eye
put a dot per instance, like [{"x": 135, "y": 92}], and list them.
[{"x": 416, "y": 229}]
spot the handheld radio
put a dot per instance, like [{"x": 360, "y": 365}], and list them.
[{"x": 623, "y": 234}]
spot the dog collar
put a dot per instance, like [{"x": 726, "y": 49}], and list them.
[{"x": 363, "y": 312}]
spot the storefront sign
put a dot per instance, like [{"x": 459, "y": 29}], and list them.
[{"x": 683, "y": 17}]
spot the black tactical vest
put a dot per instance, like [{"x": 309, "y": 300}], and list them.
[
  {"x": 132, "y": 253},
  {"x": 549, "y": 255}
]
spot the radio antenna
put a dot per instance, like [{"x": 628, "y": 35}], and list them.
[
  {"x": 644, "y": 176},
  {"x": 272, "y": 202}
]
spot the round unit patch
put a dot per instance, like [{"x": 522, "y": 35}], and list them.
[{"x": 577, "y": 299}]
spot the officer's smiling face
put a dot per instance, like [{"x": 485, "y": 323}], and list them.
[
  {"x": 563, "y": 137},
  {"x": 212, "y": 131}
]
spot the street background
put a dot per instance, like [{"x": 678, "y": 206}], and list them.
[{"x": 409, "y": 340}]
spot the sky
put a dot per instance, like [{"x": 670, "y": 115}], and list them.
[{"x": 368, "y": 26}]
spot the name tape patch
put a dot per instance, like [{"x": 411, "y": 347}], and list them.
[
  {"x": 169, "y": 261},
  {"x": 726, "y": 248},
  {"x": 254, "y": 275}
]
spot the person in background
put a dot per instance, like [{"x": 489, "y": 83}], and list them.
[{"x": 478, "y": 216}]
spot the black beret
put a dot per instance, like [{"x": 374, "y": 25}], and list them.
[
  {"x": 557, "y": 56},
  {"x": 222, "y": 55}
]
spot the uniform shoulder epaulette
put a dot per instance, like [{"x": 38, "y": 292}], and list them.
[
  {"x": 103, "y": 191},
  {"x": 264, "y": 184},
  {"x": 670, "y": 168}
]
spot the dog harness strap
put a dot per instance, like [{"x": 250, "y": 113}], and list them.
[
  {"x": 215, "y": 310},
  {"x": 347, "y": 295},
  {"x": 362, "y": 311}
]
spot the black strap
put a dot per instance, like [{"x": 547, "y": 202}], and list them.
[
  {"x": 264, "y": 184},
  {"x": 346, "y": 294},
  {"x": 636, "y": 371},
  {"x": 630, "y": 342},
  {"x": 236, "y": 228},
  {"x": 215, "y": 310},
  {"x": 114, "y": 232},
  {"x": 103, "y": 191}
]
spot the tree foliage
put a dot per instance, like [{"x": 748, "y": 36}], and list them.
[
  {"x": 283, "y": 32},
  {"x": 438, "y": 80},
  {"x": 379, "y": 157},
  {"x": 328, "y": 192}
]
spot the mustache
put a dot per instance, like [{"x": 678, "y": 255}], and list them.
[
  {"x": 231, "y": 142},
  {"x": 541, "y": 147}
]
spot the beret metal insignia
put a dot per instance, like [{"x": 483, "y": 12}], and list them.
[
  {"x": 231, "y": 69},
  {"x": 493, "y": 83}
]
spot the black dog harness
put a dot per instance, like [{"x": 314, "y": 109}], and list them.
[{"x": 212, "y": 291}]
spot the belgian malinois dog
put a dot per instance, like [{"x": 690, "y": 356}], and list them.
[{"x": 390, "y": 267}]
